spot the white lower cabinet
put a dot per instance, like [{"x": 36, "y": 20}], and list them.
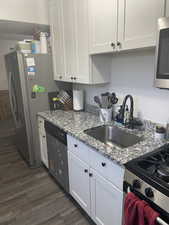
[
  {"x": 100, "y": 197},
  {"x": 43, "y": 142},
  {"x": 79, "y": 181},
  {"x": 106, "y": 201},
  {"x": 43, "y": 148}
]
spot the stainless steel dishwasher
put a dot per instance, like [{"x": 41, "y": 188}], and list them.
[{"x": 57, "y": 154}]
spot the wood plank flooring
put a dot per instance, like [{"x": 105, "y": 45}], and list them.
[{"x": 30, "y": 196}]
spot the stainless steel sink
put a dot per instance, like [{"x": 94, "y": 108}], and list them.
[{"x": 113, "y": 135}]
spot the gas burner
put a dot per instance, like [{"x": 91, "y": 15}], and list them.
[
  {"x": 156, "y": 164},
  {"x": 148, "y": 176},
  {"x": 163, "y": 172}
]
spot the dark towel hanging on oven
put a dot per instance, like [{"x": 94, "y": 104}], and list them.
[{"x": 138, "y": 212}]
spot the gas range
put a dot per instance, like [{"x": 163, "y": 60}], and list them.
[{"x": 148, "y": 176}]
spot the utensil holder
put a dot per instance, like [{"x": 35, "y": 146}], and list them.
[{"x": 105, "y": 115}]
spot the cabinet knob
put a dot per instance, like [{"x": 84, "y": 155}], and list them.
[
  {"x": 71, "y": 78},
  {"x": 44, "y": 136},
  {"x": 75, "y": 78},
  {"x": 60, "y": 77},
  {"x": 75, "y": 145},
  {"x": 103, "y": 164},
  {"x": 112, "y": 45},
  {"x": 90, "y": 174},
  {"x": 86, "y": 171},
  {"x": 119, "y": 44}
]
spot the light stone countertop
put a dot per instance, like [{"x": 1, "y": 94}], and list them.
[{"x": 74, "y": 123}]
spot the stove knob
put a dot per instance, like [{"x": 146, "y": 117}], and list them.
[
  {"x": 136, "y": 184},
  {"x": 149, "y": 193}
]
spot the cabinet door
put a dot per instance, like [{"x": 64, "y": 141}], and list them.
[
  {"x": 137, "y": 22},
  {"x": 103, "y": 25},
  {"x": 106, "y": 201},
  {"x": 43, "y": 150},
  {"x": 69, "y": 38},
  {"x": 43, "y": 143},
  {"x": 79, "y": 181},
  {"x": 57, "y": 38},
  {"x": 82, "y": 48},
  {"x": 167, "y": 9}
]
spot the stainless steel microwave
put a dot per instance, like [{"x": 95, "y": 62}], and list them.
[{"x": 162, "y": 54}]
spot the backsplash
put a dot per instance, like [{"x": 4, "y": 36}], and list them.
[{"x": 133, "y": 73}]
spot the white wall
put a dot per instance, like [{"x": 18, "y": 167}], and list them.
[
  {"x": 31, "y": 11},
  {"x": 133, "y": 73},
  {"x": 4, "y": 49}
]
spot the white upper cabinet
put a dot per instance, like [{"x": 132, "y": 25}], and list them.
[
  {"x": 137, "y": 22},
  {"x": 70, "y": 44},
  {"x": 82, "y": 44},
  {"x": 167, "y": 9},
  {"x": 81, "y": 28},
  {"x": 69, "y": 37},
  {"x": 129, "y": 24},
  {"x": 57, "y": 38},
  {"x": 103, "y": 25}
]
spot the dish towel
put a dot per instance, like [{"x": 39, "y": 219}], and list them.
[{"x": 138, "y": 212}]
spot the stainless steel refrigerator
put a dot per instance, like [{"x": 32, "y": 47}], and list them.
[{"x": 25, "y": 72}]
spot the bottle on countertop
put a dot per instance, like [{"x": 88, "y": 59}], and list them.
[{"x": 160, "y": 133}]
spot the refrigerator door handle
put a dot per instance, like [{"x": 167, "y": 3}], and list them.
[
  {"x": 9, "y": 87},
  {"x": 10, "y": 96}
]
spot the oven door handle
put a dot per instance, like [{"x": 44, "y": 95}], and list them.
[{"x": 159, "y": 220}]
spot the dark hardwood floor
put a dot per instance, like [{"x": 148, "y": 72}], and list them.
[{"x": 30, "y": 196}]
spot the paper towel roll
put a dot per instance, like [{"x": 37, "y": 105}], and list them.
[{"x": 78, "y": 100}]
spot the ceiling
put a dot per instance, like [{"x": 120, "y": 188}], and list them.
[{"x": 11, "y": 30}]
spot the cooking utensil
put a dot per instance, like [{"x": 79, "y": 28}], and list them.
[
  {"x": 114, "y": 99},
  {"x": 105, "y": 100},
  {"x": 98, "y": 101},
  {"x": 110, "y": 104}
]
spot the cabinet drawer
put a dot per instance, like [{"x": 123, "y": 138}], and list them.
[
  {"x": 78, "y": 148},
  {"x": 109, "y": 170}
]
